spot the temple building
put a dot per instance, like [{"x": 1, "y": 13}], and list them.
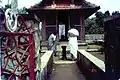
[{"x": 54, "y": 13}]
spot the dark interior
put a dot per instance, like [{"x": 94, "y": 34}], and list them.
[{"x": 63, "y": 18}]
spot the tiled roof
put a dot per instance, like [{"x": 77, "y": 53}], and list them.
[
  {"x": 84, "y": 4},
  {"x": 89, "y": 5}
]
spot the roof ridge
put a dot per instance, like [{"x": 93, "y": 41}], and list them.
[{"x": 90, "y": 4}]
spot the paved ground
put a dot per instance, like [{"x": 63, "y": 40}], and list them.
[{"x": 66, "y": 70}]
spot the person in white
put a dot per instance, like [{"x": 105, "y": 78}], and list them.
[
  {"x": 73, "y": 44},
  {"x": 52, "y": 43},
  {"x": 61, "y": 30}
]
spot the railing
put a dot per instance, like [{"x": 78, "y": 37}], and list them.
[{"x": 92, "y": 67}]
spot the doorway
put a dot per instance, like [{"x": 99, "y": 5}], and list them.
[{"x": 63, "y": 19}]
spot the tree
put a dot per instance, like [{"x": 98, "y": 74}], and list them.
[
  {"x": 95, "y": 25},
  {"x": 100, "y": 19},
  {"x": 7, "y": 6},
  {"x": 89, "y": 24},
  {"x": 106, "y": 14},
  {"x": 22, "y": 11},
  {"x": 91, "y": 27}
]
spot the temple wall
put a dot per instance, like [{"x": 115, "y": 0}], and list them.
[{"x": 51, "y": 22}]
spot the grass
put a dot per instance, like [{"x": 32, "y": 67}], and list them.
[
  {"x": 98, "y": 55},
  {"x": 93, "y": 46},
  {"x": 94, "y": 53}
]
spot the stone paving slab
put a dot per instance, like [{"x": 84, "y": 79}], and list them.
[{"x": 66, "y": 70}]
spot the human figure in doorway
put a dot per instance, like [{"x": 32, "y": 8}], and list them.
[
  {"x": 61, "y": 30},
  {"x": 62, "y": 38},
  {"x": 52, "y": 43}
]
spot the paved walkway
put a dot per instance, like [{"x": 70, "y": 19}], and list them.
[{"x": 66, "y": 70}]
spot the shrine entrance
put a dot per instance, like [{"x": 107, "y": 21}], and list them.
[{"x": 63, "y": 24}]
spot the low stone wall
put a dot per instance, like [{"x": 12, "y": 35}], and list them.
[
  {"x": 46, "y": 66},
  {"x": 92, "y": 67},
  {"x": 93, "y": 37}
]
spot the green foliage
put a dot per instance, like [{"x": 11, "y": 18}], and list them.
[
  {"x": 22, "y": 11},
  {"x": 7, "y": 6},
  {"x": 100, "y": 19},
  {"x": 91, "y": 27},
  {"x": 95, "y": 25},
  {"x": 107, "y": 13},
  {"x": 88, "y": 24}
]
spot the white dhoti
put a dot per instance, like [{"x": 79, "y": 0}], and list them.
[
  {"x": 61, "y": 30},
  {"x": 73, "y": 44}
]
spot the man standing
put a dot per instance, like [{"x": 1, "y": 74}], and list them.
[
  {"x": 61, "y": 30},
  {"x": 52, "y": 43},
  {"x": 73, "y": 44}
]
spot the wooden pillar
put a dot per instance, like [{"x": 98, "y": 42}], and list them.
[
  {"x": 43, "y": 28},
  {"x": 82, "y": 28},
  {"x": 57, "y": 28},
  {"x": 69, "y": 21}
]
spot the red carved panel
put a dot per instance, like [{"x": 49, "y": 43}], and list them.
[{"x": 18, "y": 56}]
